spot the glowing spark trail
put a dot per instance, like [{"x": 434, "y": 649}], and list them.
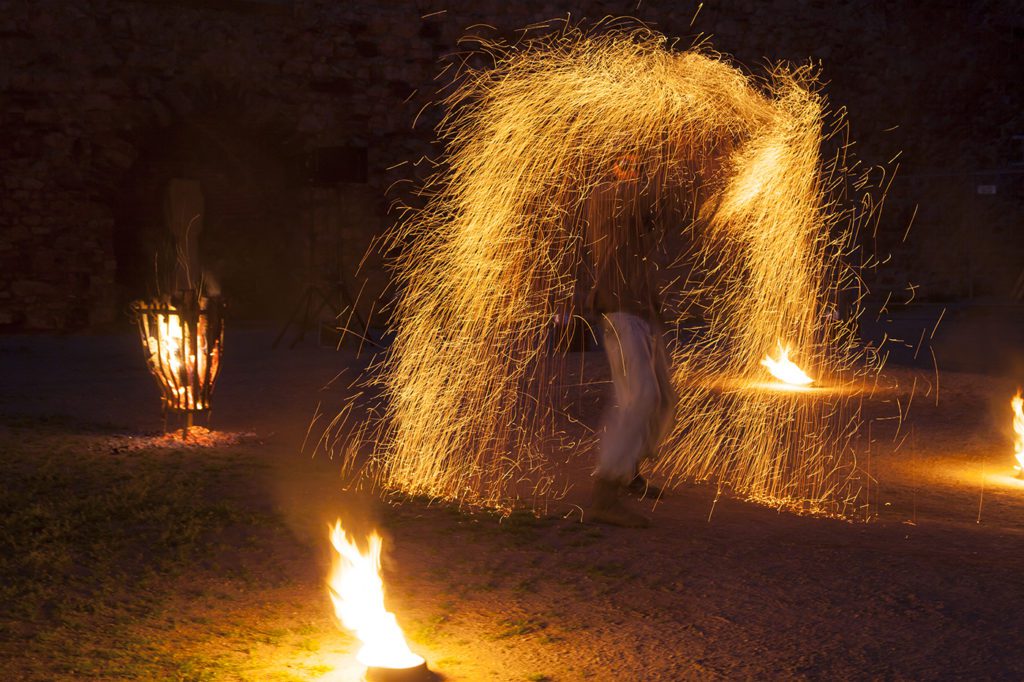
[{"x": 477, "y": 408}]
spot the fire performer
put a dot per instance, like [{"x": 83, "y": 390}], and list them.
[{"x": 621, "y": 223}]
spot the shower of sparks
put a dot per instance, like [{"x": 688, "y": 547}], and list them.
[{"x": 478, "y": 402}]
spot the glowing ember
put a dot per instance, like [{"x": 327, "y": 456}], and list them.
[
  {"x": 784, "y": 370},
  {"x": 357, "y": 591},
  {"x": 1017, "y": 403}
]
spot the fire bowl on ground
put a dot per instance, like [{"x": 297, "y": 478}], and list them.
[{"x": 418, "y": 673}]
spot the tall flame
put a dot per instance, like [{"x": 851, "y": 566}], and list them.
[
  {"x": 1017, "y": 403},
  {"x": 785, "y": 370},
  {"x": 357, "y": 592},
  {"x": 169, "y": 346},
  {"x": 170, "y": 332}
]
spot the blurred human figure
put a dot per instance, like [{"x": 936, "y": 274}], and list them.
[
  {"x": 184, "y": 211},
  {"x": 621, "y": 219}
]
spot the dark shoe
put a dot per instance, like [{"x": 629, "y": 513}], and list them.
[
  {"x": 642, "y": 488},
  {"x": 608, "y": 508}
]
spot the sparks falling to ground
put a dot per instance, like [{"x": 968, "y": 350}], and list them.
[{"x": 477, "y": 406}]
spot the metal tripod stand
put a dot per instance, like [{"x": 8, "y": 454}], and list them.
[{"x": 330, "y": 292}]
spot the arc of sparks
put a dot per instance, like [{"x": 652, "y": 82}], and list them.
[{"x": 476, "y": 405}]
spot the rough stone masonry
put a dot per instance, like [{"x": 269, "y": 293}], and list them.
[{"x": 90, "y": 88}]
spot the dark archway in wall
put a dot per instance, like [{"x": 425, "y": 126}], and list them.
[{"x": 250, "y": 245}]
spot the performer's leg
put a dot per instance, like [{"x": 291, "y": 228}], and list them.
[
  {"x": 635, "y": 395},
  {"x": 661, "y": 419},
  {"x": 664, "y": 417}
]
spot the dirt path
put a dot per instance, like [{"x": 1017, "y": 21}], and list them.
[{"x": 127, "y": 562}]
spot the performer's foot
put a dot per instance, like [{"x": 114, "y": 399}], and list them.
[
  {"x": 608, "y": 508},
  {"x": 641, "y": 487}
]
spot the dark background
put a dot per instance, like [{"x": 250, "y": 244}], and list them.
[{"x": 297, "y": 118}]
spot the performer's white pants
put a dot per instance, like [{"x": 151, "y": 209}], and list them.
[{"x": 644, "y": 403}]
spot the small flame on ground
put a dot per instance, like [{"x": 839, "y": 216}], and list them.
[
  {"x": 1017, "y": 403},
  {"x": 357, "y": 592},
  {"x": 785, "y": 370}
]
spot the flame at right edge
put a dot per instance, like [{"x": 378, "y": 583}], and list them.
[{"x": 1017, "y": 403}]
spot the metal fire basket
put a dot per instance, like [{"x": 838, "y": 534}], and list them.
[{"x": 183, "y": 338}]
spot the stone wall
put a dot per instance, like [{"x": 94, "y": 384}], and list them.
[{"x": 89, "y": 88}]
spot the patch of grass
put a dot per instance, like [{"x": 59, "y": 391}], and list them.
[
  {"x": 580, "y": 535},
  {"x": 429, "y": 630},
  {"x": 526, "y": 585},
  {"x": 438, "y": 572},
  {"x": 607, "y": 569},
  {"x": 520, "y": 519},
  {"x": 305, "y": 629},
  {"x": 192, "y": 670},
  {"x": 519, "y": 627},
  {"x": 522, "y": 527},
  {"x": 274, "y": 636},
  {"x": 309, "y": 644},
  {"x": 284, "y": 676},
  {"x": 425, "y": 634},
  {"x": 90, "y": 542}
]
